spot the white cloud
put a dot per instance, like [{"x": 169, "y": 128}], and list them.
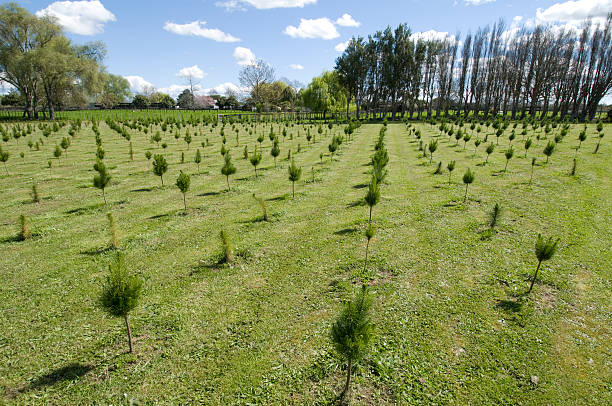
[
  {"x": 79, "y": 17},
  {"x": 347, "y": 21},
  {"x": 316, "y": 28},
  {"x": 138, "y": 83},
  {"x": 477, "y": 2},
  {"x": 575, "y": 12},
  {"x": 175, "y": 90},
  {"x": 196, "y": 29},
  {"x": 432, "y": 35},
  {"x": 296, "y": 66},
  {"x": 232, "y": 5},
  {"x": 223, "y": 88},
  {"x": 244, "y": 56},
  {"x": 342, "y": 46},
  {"x": 192, "y": 71}
]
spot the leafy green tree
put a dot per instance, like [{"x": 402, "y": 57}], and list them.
[
  {"x": 295, "y": 174},
  {"x": 255, "y": 159},
  {"x": 352, "y": 333},
  {"x": 468, "y": 178},
  {"x": 544, "y": 250},
  {"x": 372, "y": 196},
  {"x": 121, "y": 293},
  {"x": 160, "y": 166},
  {"x": 182, "y": 182},
  {"x": 198, "y": 159},
  {"x": 102, "y": 179},
  {"x": 228, "y": 168}
]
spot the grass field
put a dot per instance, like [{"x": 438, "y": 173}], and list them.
[{"x": 453, "y": 322}]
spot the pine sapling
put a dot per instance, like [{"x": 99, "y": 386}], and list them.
[
  {"x": 544, "y": 250},
  {"x": 228, "y": 168},
  {"x": 182, "y": 182},
  {"x": 24, "y": 228},
  {"x": 451, "y": 167},
  {"x": 372, "y": 196},
  {"x": 198, "y": 159},
  {"x": 509, "y": 154},
  {"x": 533, "y": 162},
  {"x": 160, "y": 166},
  {"x": 35, "y": 195},
  {"x": 121, "y": 292},
  {"x": 433, "y": 146},
  {"x": 494, "y": 216},
  {"x": 102, "y": 179},
  {"x": 113, "y": 230},
  {"x": 369, "y": 234},
  {"x": 468, "y": 178},
  {"x": 228, "y": 248},
  {"x": 262, "y": 204}
]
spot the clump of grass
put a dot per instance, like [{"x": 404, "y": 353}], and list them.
[
  {"x": 25, "y": 232},
  {"x": 227, "y": 246},
  {"x": 262, "y": 204},
  {"x": 113, "y": 230}
]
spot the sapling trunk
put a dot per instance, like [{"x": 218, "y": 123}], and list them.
[
  {"x": 293, "y": 189},
  {"x": 104, "y": 196},
  {"x": 365, "y": 264},
  {"x": 347, "y": 385},
  {"x": 184, "y": 202},
  {"x": 535, "y": 275},
  {"x": 466, "y": 190},
  {"x": 228, "y": 185},
  {"x": 129, "y": 331},
  {"x": 370, "y": 220}
]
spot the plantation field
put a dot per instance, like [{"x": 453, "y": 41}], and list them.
[{"x": 454, "y": 324}]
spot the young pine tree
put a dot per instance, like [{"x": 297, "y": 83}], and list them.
[
  {"x": 198, "y": 159},
  {"x": 533, "y": 162},
  {"x": 494, "y": 216},
  {"x": 369, "y": 234},
  {"x": 549, "y": 149},
  {"x": 275, "y": 151},
  {"x": 4, "y": 156},
  {"x": 544, "y": 250},
  {"x": 227, "y": 246},
  {"x": 182, "y": 182},
  {"x": 25, "y": 231},
  {"x": 121, "y": 293},
  {"x": 509, "y": 154},
  {"x": 255, "y": 159},
  {"x": 352, "y": 333},
  {"x": 433, "y": 146},
  {"x": 490, "y": 149},
  {"x": 468, "y": 178},
  {"x": 35, "y": 195},
  {"x": 262, "y": 204},
  {"x": 451, "y": 168},
  {"x": 372, "y": 196},
  {"x": 113, "y": 230},
  {"x": 294, "y": 175},
  {"x": 228, "y": 168},
  {"x": 160, "y": 166},
  {"x": 102, "y": 179}
]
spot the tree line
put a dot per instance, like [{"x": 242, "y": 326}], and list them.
[{"x": 519, "y": 71}]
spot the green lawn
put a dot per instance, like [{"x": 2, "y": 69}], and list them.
[{"x": 453, "y": 323}]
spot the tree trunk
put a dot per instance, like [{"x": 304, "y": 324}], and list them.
[
  {"x": 370, "y": 221},
  {"x": 347, "y": 385},
  {"x": 127, "y": 325},
  {"x": 228, "y": 186},
  {"x": 185, "y": 202},
  {"x": 466, "y": 189},
  {"x": 293, "y": 188},
  {"x": 104, "y": 195},
  {"x": 535, "y": 275},
  {"x": 365, "y": 264}
]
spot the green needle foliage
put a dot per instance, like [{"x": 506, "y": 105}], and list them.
[
  {"x": 160, "y": 166},
  {"x": 333, "y": 147},
  {"x": 468, "y": 178},
  {"x": 494, "y": 216},
  {"x": 451, "y": 168},
  {"x": 295, "y": 174},
  {"x": 198, "y": 159},
  {"x": 228, "y": 168},
  {"x": 490, "y": 149},
  {"x": 113, "y": 230},
  {"x": 102, "y": 179},
  {"x": 533, "y": 162},
  {"x": 121, "y": 292},
  {"x": 527, "y": 145},
  {"x": 35, "y": 195},
  {"x": 255, "y": 159},
  {"x": 275, "y": 151},
  {"x": 262, "y": 204},
  {"x": 433, "y": 146},
  {"x": 24, "y": 228},
  {"x": 182, "y": 182},
  {"x": 227, "y": 246},
  {"x": 544, "y": 250},
  {"x": 438, "y": 170},
  {"x": 188, "y": 139},
  {"x": 353, "y": 332},
  {"x": 372, "y": 196},
  {"x": 509, "y": 154},
  {"x": 57, "y": 152},
  {"x": 601, "y": 135},
  {"x": 148, "y": 155},
  {"x": 549, "y": 149}
]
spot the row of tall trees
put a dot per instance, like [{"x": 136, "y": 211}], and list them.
[
  {"x": 45, "y": 67},
  {"x": 512, "y": 70}
]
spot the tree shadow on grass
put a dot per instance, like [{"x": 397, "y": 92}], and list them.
[
  {"x": 345, "y": 231},
  {"x": 70, "y": 372},
  {"x": 205, "y": 194},
  {"x": 357, "y": 203},
  {"x": 513, "y": 306},
  {"x": 144, "y": 189},
  {"x": 360, "y": 186},
  {"x": 97, "y": 251}
]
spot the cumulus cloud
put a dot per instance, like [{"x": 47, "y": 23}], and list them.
[
  {"x": 192, "y": 71},
  {"x": 197, "y": 29},
  {"x": 347, "y": 21},
  {"x": 175, "y": 90},
  {"x": 232, "y": 5},
  {"x": 575, "y": 12},
  {"x": 244, "y": 56},
  {"x": 477, "y": 2},
  {"x": 342, "y": 46},
  {"x": 432, "y": 35},
  {"x": 296, "y": 66},
  {"x": 138, "y": 84},
  {"x": 223, "y": 88},
  {"x": 321, "y": 28},
  {"x": 79, "y": 17}
]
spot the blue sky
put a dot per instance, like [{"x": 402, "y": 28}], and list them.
[{"x": 154, "y": 41}]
